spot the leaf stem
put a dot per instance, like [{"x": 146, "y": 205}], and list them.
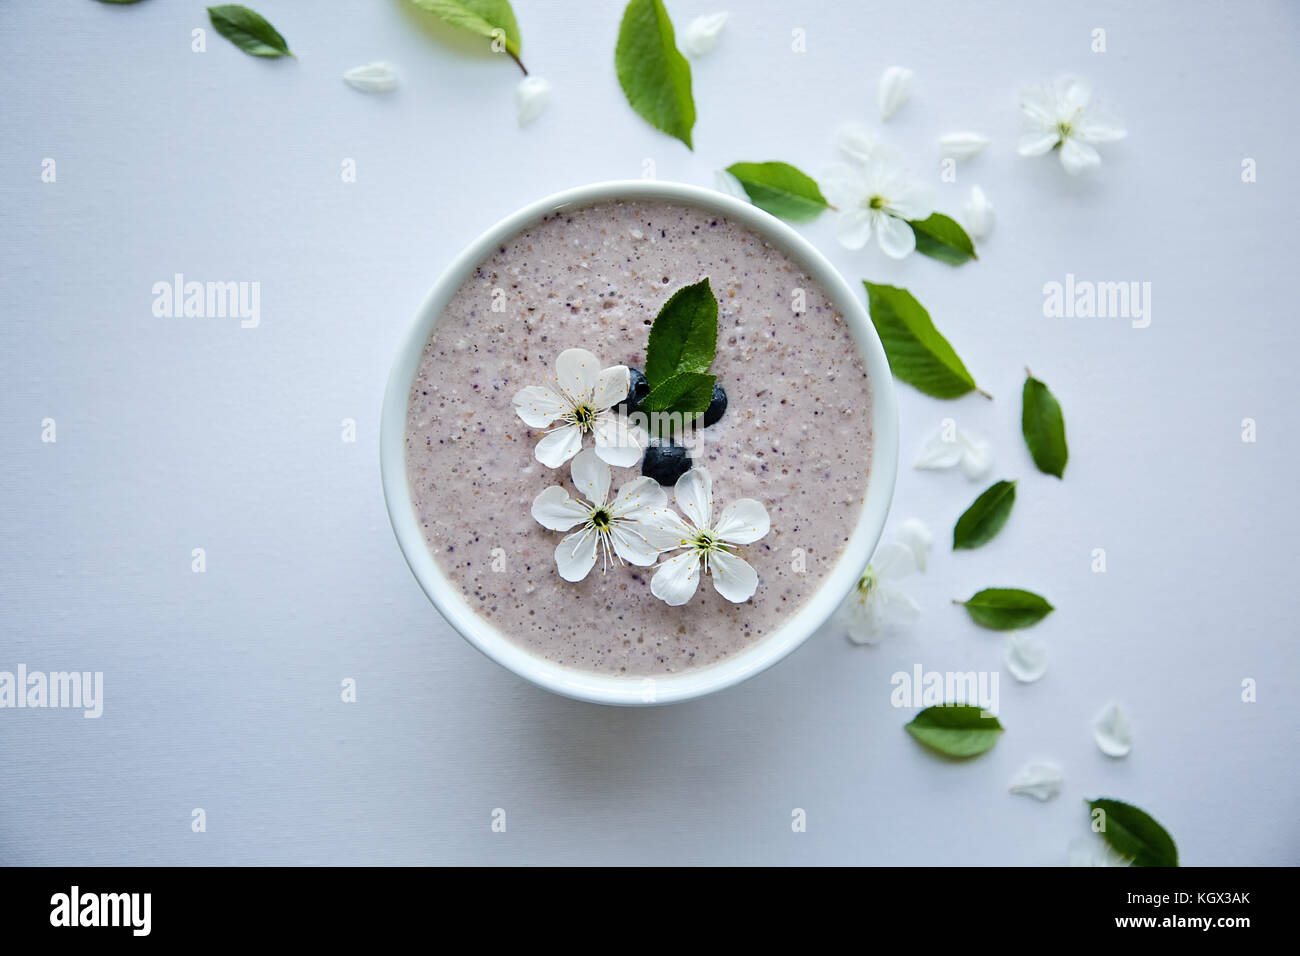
[
  {"x": 519, "y": 62},
  {"x": 984, "y": 393}
]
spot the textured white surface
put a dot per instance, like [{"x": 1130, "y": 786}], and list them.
[{"x": 222, "y": 688}]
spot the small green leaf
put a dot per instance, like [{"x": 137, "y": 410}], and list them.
[
  {"x": 1044, "y": 427},
  {"x": 917, "y": 353},
  {"x": 985, "y": 517},
  {"x": 956, "y": 730},
  {"x": 1007, "y": 609},
  {"x": 1133, "y": 833},
  {"x": 940, "y": 237},
  {"x": 684, "y": 337},
  {"x": 782, "y": 190},
  {"x": 248, "y": 30},
  {"x": 688, "y": 393},
  {"x": 484, "y": 17},
  {"x": 656, "y": 79}
]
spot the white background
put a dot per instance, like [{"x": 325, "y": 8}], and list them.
[{"x": 223, "y": 689}]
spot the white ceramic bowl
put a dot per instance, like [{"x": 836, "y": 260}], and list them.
[{"x": 599, "y": 688}]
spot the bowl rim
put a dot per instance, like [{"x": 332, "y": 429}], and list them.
[{"x": 640, "y": 690}]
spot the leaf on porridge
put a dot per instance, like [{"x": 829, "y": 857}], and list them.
[{"x": 684, "y": 337}]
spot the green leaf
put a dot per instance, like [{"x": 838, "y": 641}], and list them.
[
  {"x": 656, "y": 79},
  {"x": 248, "y": 30},
  {"x": 917, "y": 353},
  {"x": 1134, "y": 834},
  {"x": 956, "y": 730},
  {"x": 782, "y": 190},
  {"x": 688, "y": 393},
  {"x": 684, "y": 337},
  {"x": 484, "y": 17},
  {"x": 940, "y": 237},
  {"x": 985, "y": 517},
  {"x": 1044, "y": 427},
  {"x": 1007, "y": 609}
]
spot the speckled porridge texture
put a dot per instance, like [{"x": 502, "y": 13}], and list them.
[{"x": 796, "y": 434}]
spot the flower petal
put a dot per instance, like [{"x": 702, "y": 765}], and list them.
[
  {"x": 1042, "y": 781},
  {"x": 1026, "y": 657},
  {"x": 743, "y": 521},
  {"x": 531, "y": 96},
  {"x": 939, "y": 454},
  {"x": 892, "y": 561},
  {"x": 1073, "y": 93},
  {"x": 663, "y": 528},
  {"x": 896, "y": 238},
  {"x": 1098, "y": 128},
  {"x": 575, "y": 555},
  {"x": 853, "y": 228},
  {"x": 976, "y": 455},
  {"x": 1077, "y": 156},
  {"x": 856, "y": 142},
  {"x": 733, "y": 577},
  {"x": 677, "y": 578},
  {"x": 617, "y": 442},
  {"x": 694, "y": 495},
  {"x": 916, "y": 537},
  {"x": 979, "y": 214},
  {"x": 911, "y": 201},
  {"x": 843, "y": 185},
  {"x": 895, "y": 88},
  {"x": 1039, "y": 106},
  {"x": 962, "y": 145},
  {"x": 1038, "y": 142},
  {"x": 640, "y": 496},
  {"x": 611, "y": 387},
  {"x": 538, "y": 405},
  {"x": 1112, "y": 732},
  {"x": 591, "y": 477},
  {"x": 372, "y": 77},
  {"x": 630, "y": 546},
  {"x": 554, "y": 509},
  {"x": 884, "y": 611},
  {"x": 558, "y": 446},
  {"x": 577, "y": 370},
  {"x": 702, "y": 34}
]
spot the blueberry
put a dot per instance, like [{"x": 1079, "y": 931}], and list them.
[
  {"x": 665, "y": 462},
  {"x": 638, "y": 389},
  {"x": 716, "y": 407}
]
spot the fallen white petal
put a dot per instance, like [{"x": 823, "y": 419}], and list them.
[
  {"x": 372, "y": 77},
  {"x": 939, "y": 454},
  {"x": 979, "y": 214},
  {"x": 976, "y": 456},
  {"x": 1042, "y": 781},
  {"x": 1026, "y": 657},
  {"x": 531, "y": 96},
  {"x": 895, "y": 88},
  {"x": 1112, "y": 732},
  {"x": 962, "y": 145},
  {"x": 917, "y": 537},
  {"x": 702, "y": 33}
]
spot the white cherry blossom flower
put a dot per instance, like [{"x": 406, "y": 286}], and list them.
[
  {"x": 706, "y": 545},
  {"x": 952, "y": 447},
  {"x": 1061, "y": 117},
  {"x": 979, "y": 214},
  {"x": 531, "y": 96},
  {"x": 631, "y": 526},
  {"x": 377, "y": 77},
  {"x": 579, "y": 404},
  {"x": 895, "y": 90},
  {"x": 874, "y": 195},
  {"x": 702, "y": 34},
  {"x": 877, "y": 608}
]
